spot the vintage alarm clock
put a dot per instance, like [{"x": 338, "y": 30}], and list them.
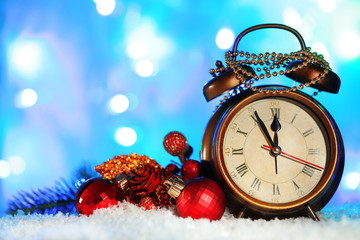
[{"x": 275, "y": 150}]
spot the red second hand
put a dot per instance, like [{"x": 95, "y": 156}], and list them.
[{"x": 296, "y": 158}]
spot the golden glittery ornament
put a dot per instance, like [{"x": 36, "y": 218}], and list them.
[{"x": 124, "y": 164}]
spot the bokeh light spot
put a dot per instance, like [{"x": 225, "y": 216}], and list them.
[
  {"x": 17, "y": 164},
  {"x": 118, "y": 104},
  {"x": 25, "y": 56},
  {"x": 144, "y": 68},
  {"x": 224, "y": 38},
  {"x": 5, "y": 169},
  {"x": 125, "y": 136},
  {"x": 292, "y": 18},
  {"x": 327, "y": 5},
  {"x": 352, "y": 180},
  {"x": 137, "y": 49},
  {"x": 26, "y": 98},
  {"x": 105, "y": 7},
  {"x": 348, "y": 44}
]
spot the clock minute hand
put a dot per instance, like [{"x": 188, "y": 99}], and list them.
[
  {"x": 276, "y": 126},
  {"x": 264, "y": 130}
]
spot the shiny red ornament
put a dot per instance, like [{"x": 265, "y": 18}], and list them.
[
  {"x": 171, "y": 169},
  {"x": 148, "y": 203},
  {"x": 201, "y": 198},
  {"x": 176, "y": 144},
  {"x": 191, "y": 169},
  {"x": 96, "y": 193}
]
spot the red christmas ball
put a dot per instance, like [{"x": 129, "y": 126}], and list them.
[
  {"x": 148, "y": 203},
  {"x": 171, "y": 169},
  {"x": 96, "y": 193},
  {"x": 175, "y": 143},
  {"x": 191, "y": 169},
  {"x": 201, "y": 198}
]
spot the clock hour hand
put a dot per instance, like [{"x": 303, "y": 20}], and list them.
[
  {"x": 264, "y": 130},
  {"x": 276, "y": 126}
]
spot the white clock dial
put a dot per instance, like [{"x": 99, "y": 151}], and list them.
[{"x": 251, "y": 164}]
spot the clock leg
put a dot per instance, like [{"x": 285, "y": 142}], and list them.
[
  {"x": 242, "y": 212},
  {"x": 312, "y": 213}
]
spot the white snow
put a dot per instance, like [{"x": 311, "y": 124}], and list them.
[{"x": 128, "y": 221}]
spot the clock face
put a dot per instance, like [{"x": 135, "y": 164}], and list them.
[{"x": 284, "y": 168}]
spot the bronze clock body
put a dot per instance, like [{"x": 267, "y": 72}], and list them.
[{"x": 297, "y": 179}]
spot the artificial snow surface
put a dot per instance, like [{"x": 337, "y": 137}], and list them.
[{"x": 128, "y": 221}]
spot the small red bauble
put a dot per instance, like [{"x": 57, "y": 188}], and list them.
[
  {"x": 171, "y": 169},
  {"x": 176, "y": 144},
  {"x": 148, "y": 203},
  {"x": 96, "y": 193},
  {"x": 191, "y": 169},
  {"x": 201, "y": 198}
]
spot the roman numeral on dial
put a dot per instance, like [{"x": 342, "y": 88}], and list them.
[
  {"x": 254, "y": 118},
  {"x": 308, "y": 132},
  {"x": 295, "y": 185},
  {"x": 239, "y": 151},
  {"x": 275, "y": 111},
  {"x": 256, "y": 184},
  {"x": 308, "y": 171},
  {"x": 243, "y": 133},
  {"x": 314, "y": 151},
  {"x": 293, "y": 119},
  {"x": 242, "y": 169},
  {"x": 276, "y": 190}
]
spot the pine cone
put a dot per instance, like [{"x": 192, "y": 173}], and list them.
[
  {"x": 144, "y": 181},
  {"x": 162, "y": 196}
]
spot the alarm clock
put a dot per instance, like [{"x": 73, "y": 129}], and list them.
[{"x": 275, "y": 150}]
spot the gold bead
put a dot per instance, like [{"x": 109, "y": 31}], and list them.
[
  {"x": 307, "y": 84},
  {"x": 262, "y": 76},
  {"x": 301, "y": 86},
  {"x": 274, "y": 74},
  {"x": 293, "y": 89},
  {"x": 268, "y": 75},
  {"x": 281, "y": 72}
]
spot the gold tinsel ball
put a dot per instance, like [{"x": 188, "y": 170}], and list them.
[{"x": 123, "y": 164}]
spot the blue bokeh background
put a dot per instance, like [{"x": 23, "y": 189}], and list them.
[{"x": 75, "y": 60}]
